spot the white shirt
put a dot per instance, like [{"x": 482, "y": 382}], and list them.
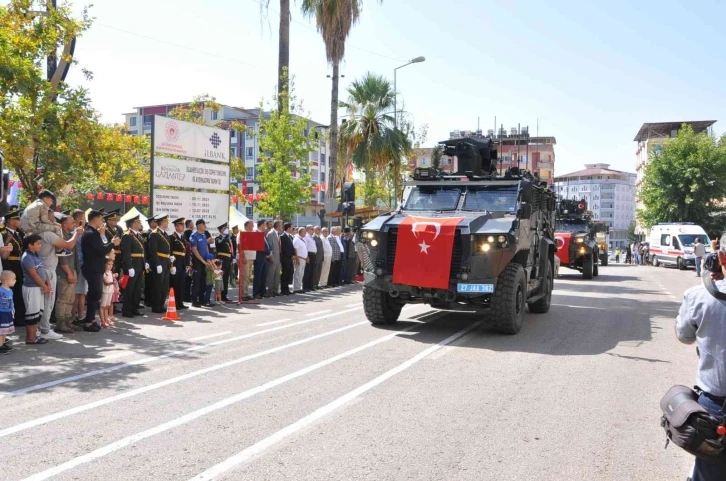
[
  {"x": 699, "y": 250},
  {"x": 327, "y": 250},
  {"x": 310, "y": 244},
  {"x": 300, "y": 246}
]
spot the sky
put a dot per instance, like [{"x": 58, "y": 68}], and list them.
[{"x": 590, "y": 73}]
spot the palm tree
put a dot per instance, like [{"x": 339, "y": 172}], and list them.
[
  {"x": 283, "y": 58},
  {"x": 334, "y": 19},
  {"x": 371, "y": 137}
]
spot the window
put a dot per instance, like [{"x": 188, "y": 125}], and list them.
[
  {"x": 147, "y": 121},
  {"x": 133, "y": 132},
  {"x": 306, "y": 132},
  {"x": 132, "y": 122},
  {"x": 248, "y": 136},
  {"x": 248, "y": 211},
  {"x": 665, "y": 239},
  {"x": 233, "y": 134},
  {"x": 213, "y": 115},
  {"x": 250, "y": 152}
]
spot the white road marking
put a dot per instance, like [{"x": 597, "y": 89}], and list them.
[
  {"x": 272, "y": 323},
  {"x": 147, "y": 360},
  {"x": 319, "y": 312},
  {"x": 260, "y": 446},
  {"x": 134, "y": 438},
  {"x": 209, "y": 336},
  {"x": 580, "y": 307}
]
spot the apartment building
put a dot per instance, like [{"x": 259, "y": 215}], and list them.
[
  {"x": 610, "y": 195},
  {"x": 244, "y": 145},
  {"x": 421, "y": 157}
]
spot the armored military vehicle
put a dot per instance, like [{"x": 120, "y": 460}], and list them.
[
  {"x": 473, "y": 240},
  {"x": 577, "y": 245}
]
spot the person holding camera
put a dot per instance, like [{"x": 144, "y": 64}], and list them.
[{"x": 702, "y": 319}]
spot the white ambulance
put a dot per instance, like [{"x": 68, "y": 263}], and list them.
[{"x": 672, "y": 244}]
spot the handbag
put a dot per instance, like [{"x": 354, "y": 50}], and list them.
[
  {"x": 689, "y": 426},
  {"x": 123, "y": 281}
]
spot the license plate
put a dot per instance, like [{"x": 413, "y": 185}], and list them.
[{"x": 477, "y": 288}]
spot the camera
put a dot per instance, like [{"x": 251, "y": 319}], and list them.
[{"x": 711, "y": 263}]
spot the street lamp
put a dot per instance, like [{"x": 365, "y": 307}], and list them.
[{"x": 395, "y": 91}]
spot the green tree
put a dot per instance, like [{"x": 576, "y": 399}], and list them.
[
  {"x": 283, "y": 58},
  {"x": 50, "y": 133},
  {"x": 631, "y": 235},
  {"x": 436, "y": 154},
  {"x": 285, "y": 152},
  {"x": 375, "y": 145},
  {"x": 685, "y": 181}
]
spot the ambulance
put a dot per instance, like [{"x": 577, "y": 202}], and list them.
[{"x": 671, "y": 244}]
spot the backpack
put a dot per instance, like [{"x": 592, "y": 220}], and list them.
[{"x": 688, "y": 425}]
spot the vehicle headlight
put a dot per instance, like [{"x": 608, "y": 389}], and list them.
[
  {"x": 580, "y": 240},
  {"x": 485, "y": 243},
  {"x": 582, "y": 250},
  {"x": 370, "y": 237}
]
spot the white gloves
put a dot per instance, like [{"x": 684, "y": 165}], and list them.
[
  {"x": 173, "y": 271},
  {"x": 158, "y": 269},
  {"x": 172, "y": 259},
  {"x": 132, "y": 273},
  {"x": 147, "y": 266},
  {"x": 234, "y": 261}
]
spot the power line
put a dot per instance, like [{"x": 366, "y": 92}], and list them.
[{"x": 318, "y": 33}]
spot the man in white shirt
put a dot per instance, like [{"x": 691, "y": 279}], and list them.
[
  {"x": 301, "y": 259},
  {"x": 247, "y": 261},
  {"x": 699, "y": 250},
  {"x": 327, "y": 255}
]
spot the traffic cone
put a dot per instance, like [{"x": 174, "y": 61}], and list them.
[{"x": 171, "y": 314}]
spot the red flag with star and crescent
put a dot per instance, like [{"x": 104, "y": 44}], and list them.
[{"x": 423, "y": 251}]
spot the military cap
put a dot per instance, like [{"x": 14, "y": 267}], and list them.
[
  {"x": 14, "y": 207},
  {"x": 222, "y": 227},
  {"x": 235, "y": 227},
  {"x": 58, "y": 215},
  {"x": 66, "y": 212},
  {"x": 180, "y": 220},
  {"x": 113, "y": 215},
  {"x": 13, "y": 214},
  {"x": 133, "y": 219},
  {"x": 102, "y": 210},
  {"x": 160, "y": 217},
  {"x": 151, "y": 218}
]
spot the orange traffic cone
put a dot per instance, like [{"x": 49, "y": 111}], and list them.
[{"x": 171, "y": 314}]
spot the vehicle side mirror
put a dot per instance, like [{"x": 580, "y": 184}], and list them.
[
  {"x": 525, "y": 211},
  {"x": 525, "y": 192}
]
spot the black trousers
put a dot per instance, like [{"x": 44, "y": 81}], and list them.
[
  {"x": 350, "y": 269},
  {"x": 161, "y": 285},
  {"x": 226, "y": 272},
  {"x": 178, "y": 282},
  {"x": 288, "y": 269},
  {"x": 132, "y": 293},
  {"x": 18, "y": 303},
  {"x": 149, "y": 283},
  {"x": 334, "y": 276},
  {"x": 199, "y": 282},
  {"x": 309, "y": 271},
  {"x": 259, "y": 277},
  {"x": 93, "y": 297}
]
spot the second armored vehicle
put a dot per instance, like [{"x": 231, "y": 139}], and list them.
[
  {"x": 473, "y": 240},
  {"x": 577, "y": 247}
]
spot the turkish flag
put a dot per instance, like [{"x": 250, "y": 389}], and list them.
[
  {"x": 251, "y": 241},
  {"x": 423, "y": 251},
  {"x": 563, "y": 239}
]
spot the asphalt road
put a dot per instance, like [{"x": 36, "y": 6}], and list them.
[{"x": 305, "y": 389}]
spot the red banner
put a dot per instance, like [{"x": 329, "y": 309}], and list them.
[
  {"x": 423, "y": 251},
  {"x": 562, "y": 240},
  {"x": 251, "y": 241}
]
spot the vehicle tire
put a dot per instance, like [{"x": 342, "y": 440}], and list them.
[
  {"x": 604, "y": 260},
  {"x": 379, "y": 306},
  {"x": 543, "y": 304},
  {"x": 508, "y": 300},
  {"x": 587, "y": 269},
  {"x": 679, "y": 263},
  {"x": 595, "y": 270},
  {"x": 655, "y": 262}
]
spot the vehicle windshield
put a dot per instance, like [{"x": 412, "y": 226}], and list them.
[
  {"x": 433, "y": 198},
  {"x": 491, "y": 198},
  {"x": 573, "y": 225},
  {"x": 689, "y": 240}
]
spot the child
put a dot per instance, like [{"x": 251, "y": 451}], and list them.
[
  {"x": 35, "y": 285},
  {"x": 210, "y": 285},
  {"x": 37, "y": 218},
  {"x": 106, "y": 310},
  {"x": 116, "y": 297},
  {"x": 7, "y": 281},
  {"x": 218, "y": 284}
]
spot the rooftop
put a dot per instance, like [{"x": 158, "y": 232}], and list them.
[
  {"x": 663, "y": 129},
  {"x": 590, "y": 170}
]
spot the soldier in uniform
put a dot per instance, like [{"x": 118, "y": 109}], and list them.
[
  {"x": 114, "y": 230},
  {"x": 179, "y": 263},
  {"x": 158, "y": 256},
  {"x": 235, "y": 268},
  {"x": 148, "y": 294},
  {"x": 14, "y": 238},
  {"x": 225, "y": 250},
  {"x": 132, "y": 263}
]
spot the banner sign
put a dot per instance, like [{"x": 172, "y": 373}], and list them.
[
  {"x": 190, "y": 140},
  {"x": 190, "y": 174},
  {"x": 213, "y": 208}
]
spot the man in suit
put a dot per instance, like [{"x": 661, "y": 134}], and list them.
[
  {"x": 179, "y": 263},
  {"x": 158, "y": 256},
  {"x": 287, "y": 253},
  {"x": 225, "y": 249},
  {"x": 132, "y": 263},
  {"x": 14, "y": 238},
  {"x": 188, "y": 231},
  {"x": 337, "y": 257},
  {"x": 234, "y": 238},
  {"x": 114, "y": 230},
  {"x": 318, "y": 267},
  {"x": 273, "y": 269},
  {"x": 94, "y": 252},
  {"x": 147, "y": 277},
  {"x": 351, "y": 256},
  {"x": 261, "y": 261}
]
